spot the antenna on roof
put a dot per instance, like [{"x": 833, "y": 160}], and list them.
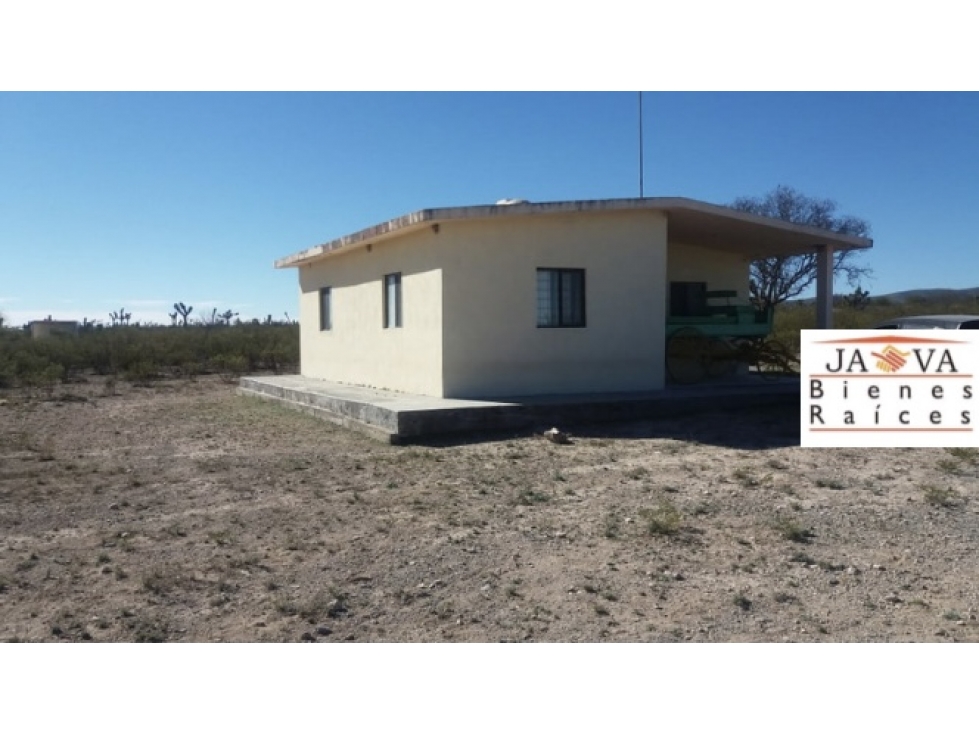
[{"x": 640, "y": 146}]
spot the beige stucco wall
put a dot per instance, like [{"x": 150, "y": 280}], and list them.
[
  {"x": 469, "y": 306},
  {"x": 492, "y": 346},
  {"x": 358, "y": 350},
  {"x": 723, "y": 271}
]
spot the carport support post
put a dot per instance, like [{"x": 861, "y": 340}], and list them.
[{"x": 824, "y": 287}]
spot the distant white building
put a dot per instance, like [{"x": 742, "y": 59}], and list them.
[{"x": 50, "y": 327}]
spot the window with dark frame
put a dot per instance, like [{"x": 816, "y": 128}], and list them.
[
  {"x": 392, "y": 301},
  {"x": 326, "y": 309},
  {"x": 560, "y": 298},
  {"x": 688, "y": 298}
]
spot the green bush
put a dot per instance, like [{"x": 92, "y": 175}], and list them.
[
  {"x": 664, "y": 519},
  {"x": 231, "y": 365},
  {"x": 139, "y": 353}
]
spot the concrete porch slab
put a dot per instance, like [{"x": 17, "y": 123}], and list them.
[{"x": 403, "y": 418}]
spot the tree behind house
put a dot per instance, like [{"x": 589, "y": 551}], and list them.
[{"x": 775, "y": 280}]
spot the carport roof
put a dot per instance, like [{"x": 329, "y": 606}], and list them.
[{"x": 689, "y": 221}]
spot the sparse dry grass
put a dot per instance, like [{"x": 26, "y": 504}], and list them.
[
  {"x": 182, "y": 512},
  {"x": 940, "y": 496}
]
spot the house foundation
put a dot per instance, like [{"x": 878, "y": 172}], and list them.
[{"x": 401, "y": 418}]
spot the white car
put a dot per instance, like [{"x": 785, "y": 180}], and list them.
[{"x": 942, "y": 321}]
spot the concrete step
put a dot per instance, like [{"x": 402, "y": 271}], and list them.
[{"x": 400, "y": 418}]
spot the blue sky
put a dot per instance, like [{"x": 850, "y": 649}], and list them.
[{"x": 138, "y": 200}]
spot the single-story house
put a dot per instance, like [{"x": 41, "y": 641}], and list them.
[{"x": 527, "y": 298}]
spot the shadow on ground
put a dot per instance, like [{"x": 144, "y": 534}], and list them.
[{"x": 752, "y": 429}]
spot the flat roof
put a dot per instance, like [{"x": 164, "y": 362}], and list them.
[{"x": 689, "y": 221}]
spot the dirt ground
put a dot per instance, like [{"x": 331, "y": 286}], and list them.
[{"x": 183, "y": 512}]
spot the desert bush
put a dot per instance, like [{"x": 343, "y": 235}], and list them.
[
  {"x": 140, "y": 372},
  {"x": 138, "y": 353},
  {"x": 791, "y": 530},
  {"x": 742, "y": 602},
  {"x": 969, "y": 455},
  {"x": 231, "y": 366},
  {"x": 940, "y": 496},
  {"x": 7, "y": 374},
  {"x": 664, "y": 519}
]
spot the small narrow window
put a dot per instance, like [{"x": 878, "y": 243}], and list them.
[
  {"x": 392, "y": 301},
  {"x": 560, "y": 298},
  {"x": 326, "y": 309}
]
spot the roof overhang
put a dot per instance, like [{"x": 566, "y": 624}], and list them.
[{"x": 689, "y": 222}]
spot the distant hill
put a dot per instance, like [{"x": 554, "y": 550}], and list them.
[
  {"x": 929, "y": 294},
  {"x": 919, "y": 295}
]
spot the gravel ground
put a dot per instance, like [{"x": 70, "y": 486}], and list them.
[{"x": 183, "y": 512}]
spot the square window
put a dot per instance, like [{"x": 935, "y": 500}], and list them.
[
  {"x": 326, "y": 309},
  {"x": 688, "y": 298},
  {"x": 392, "y": 301},
  {"x": 560, "y": 298}
]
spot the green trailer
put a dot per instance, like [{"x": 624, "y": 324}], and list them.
[{"x": 714, "y": 335}]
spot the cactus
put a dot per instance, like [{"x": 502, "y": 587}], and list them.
[
  {"x": 858, "y": 300},
  {"x": 184, "y": 311}
]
